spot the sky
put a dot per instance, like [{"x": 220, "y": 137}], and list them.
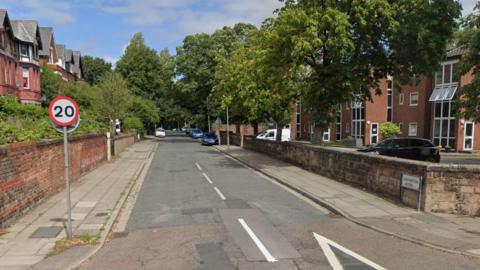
[{"x": 103, "y": 28}]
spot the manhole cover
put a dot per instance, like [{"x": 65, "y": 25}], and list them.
[
  {"x": 197, "y": 211},
  {"x": 46, "y": 232},
  {"x": 103, "y": 214}
]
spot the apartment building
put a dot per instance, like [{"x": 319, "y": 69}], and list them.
[
  {"x": 424, "y": 110},
  {"x": 24, "y": 48}
]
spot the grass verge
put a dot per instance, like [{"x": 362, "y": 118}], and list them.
[{"x": 64, "y": 244}]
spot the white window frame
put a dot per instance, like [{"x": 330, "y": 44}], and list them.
[
  {"x": 401, "y": 98},
  {"x": 298, "y": 116},
  {"x": 469, "y": 137},
  {"x": 390, "y": 98},
  {"x": 400, "y": 126},
  {"x": 338, "y": 125},
  {"x": 418, "y": 97},
  {"x": 326, "y": 133},
  {"x": 410, "y": 133},
  {"x": 358, "y": 123}
]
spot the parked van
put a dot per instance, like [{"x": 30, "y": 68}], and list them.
[{"x": 271, "y": 135}]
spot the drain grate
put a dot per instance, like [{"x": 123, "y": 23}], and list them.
[
  {"x": 120, "y": 235},
  {"x": 101, "y": 214},
  {"x": 58, "y": 219},
  {"x": 46, "y": 232}
]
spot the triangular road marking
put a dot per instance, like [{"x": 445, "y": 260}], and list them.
[{"x": 326, "y": 244}]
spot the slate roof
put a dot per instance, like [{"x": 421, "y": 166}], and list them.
[
  {"x": 46, "y": 35},
  {"x": 77, "y": 56},
  {"x": 3, "y": 15},
  {"x": 60, "y": 51},
  {"x": 69, "y": 56},
  {"x": 454, "y": 51},
  {"x": 25, "y": 30}
]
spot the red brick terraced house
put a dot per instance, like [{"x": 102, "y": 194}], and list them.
[
  {"x": 8, "y": 57},
  {"x": 48, "y": 54},
  {"x": 27, "y": 34},
  {"x": 424, "y": 110}
]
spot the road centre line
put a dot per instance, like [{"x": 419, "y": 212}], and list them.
[
  {"x": 198, "y": 166},
  {"x": 257, "y": 241},
  {"x": 219, "y": 193},
  {"x": 208, "y": 178}
]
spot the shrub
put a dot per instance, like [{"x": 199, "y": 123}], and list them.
[
  {"x": 133, "y": 123},
  {"x": 389, "y": 130}
]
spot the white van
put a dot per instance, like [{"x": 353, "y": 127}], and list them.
[{"x": 271, "y": 135}]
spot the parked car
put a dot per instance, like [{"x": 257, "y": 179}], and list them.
[
  {"x": 160, "y": 132},
  {"x": 409, "y": 148},
  {"x": 196, "y": 133},
  {"x": 210, "y": 139},
  {"x": 188, "y": 131},
  {"x": 271, "y": 135}
]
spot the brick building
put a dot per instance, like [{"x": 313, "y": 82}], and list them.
[
  {"x": 8, "y": 57},
  {"x": 422, "y": 110}
]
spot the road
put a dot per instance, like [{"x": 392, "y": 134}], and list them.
[{"x": 199, "y": 209}]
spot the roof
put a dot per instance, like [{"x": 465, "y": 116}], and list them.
[
  {"x": 60, "y": 51},
  {"x": 46, "y": 35},
  {"x": 3, "y": 15},
  {"x": 69, "y": 56},
  {"x": 77, "y": 56},
  {"x": 25, "y": 30},
  {"x": 455, "y": 51}
]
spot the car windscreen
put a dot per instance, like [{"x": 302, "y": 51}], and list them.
[{"x": 210, "y": 136}]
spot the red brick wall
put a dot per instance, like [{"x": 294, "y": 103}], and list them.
[
  {"x": 122, "y": 142},
  {"x": 31, "y": 172},
  {"x": 376, "y": 110}
]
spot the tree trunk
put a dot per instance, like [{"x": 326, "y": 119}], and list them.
[
  {"x": 279, "y": 132},
  {"x": 255, "y": 129}
]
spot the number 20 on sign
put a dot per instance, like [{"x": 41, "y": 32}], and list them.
[{"x": 64, "y": 112}]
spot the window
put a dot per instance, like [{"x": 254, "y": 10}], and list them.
[
  {"x": 299, "y": 120},
  {"x": 447, "y": 73},
  {"x": 24, "y": 50},
  {"x": 400, "y": 125},
  {"x": 326, "y": 136},
  {"x": 401, "y": 98},
  {"x": 389, "y": 101},
  {"x": 358, "y": 119},
  {"x": 414, "y": 99},
  {"x": 412, "y": 129},
  {"x": 26, "y": 79}
]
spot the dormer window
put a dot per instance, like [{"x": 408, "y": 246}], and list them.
[{"x": 24, "y": 50}]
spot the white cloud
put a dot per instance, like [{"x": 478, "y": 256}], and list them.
[
  {"x": 190, "y": 16},
  {"x": 58, "y": 12}
]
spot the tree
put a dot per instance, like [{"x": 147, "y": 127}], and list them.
[
  {"x": 389, "y": 130},
  {"x": 94, "y": 68},
  {"x": 113, "y": 98},
  {"x": 139, "y": 66},
  {"x": 50, "y": 84},
  {"x": 196, "y": 64},
  {"x": 146, "y": 111},
  {"x": 348, "y": 46},
  {"x": 469, "y": 40}
]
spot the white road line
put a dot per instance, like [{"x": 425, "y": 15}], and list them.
[
  {"x": 208, "y": 178},
  {"x": 257, "y": 241},
  {"x": 198, "y": 166},
  {"x": 325, "y": 244},
  {"x": 220, "y": 193}
]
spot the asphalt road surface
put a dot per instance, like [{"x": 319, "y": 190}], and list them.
[{"x": 199, "y": 209}]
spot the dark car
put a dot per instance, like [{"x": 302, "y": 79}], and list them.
[
  {"x": 409, "y": 148},
  {"x": 210, "y": 139},
  {"x": 196, "y": 133}
]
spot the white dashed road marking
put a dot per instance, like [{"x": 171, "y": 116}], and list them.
[
  {"x": 208, "y": 178},
  {"x": 220, "y": 193},
  {"x": 198, "y": 166},
  {"x": 257, "y": 241}
]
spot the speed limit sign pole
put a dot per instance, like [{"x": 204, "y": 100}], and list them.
[{"x": 64, "y": 112}]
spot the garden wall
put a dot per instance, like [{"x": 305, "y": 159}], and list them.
[
  {"x": 447, "y": 188},
  {"x": 31, "y": 172}
]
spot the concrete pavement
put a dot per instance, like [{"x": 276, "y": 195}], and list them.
[
  {"x": 447, "y": 232},
  {"x": 199, "y": 209},
  {"x": 96, "y": 199}
]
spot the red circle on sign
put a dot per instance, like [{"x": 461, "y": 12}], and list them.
[{"x": 52, "y": 115}]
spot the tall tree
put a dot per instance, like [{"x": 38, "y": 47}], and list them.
[
  {"x": 139, "y": 66},
  {"x": 348, "y": 46},
  {"x": 469, "y": 40},
  {"x": 94, "y": 68},
  {"x": 50, "y": 84}
]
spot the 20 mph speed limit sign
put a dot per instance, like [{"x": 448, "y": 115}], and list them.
[{"x": 64, "y": 111}]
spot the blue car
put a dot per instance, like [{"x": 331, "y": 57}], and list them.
[
  {"x": 196, "y": 134},
  {"x": 210, "y": 139}
]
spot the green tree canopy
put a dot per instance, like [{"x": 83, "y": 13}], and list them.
[
  {"x": 94, "y": 68},
  {"x": 469, "y": 40},
  {"x": 50, "y": 84}
]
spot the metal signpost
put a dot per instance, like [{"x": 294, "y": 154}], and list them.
[{"x": 65, "y": 115}]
